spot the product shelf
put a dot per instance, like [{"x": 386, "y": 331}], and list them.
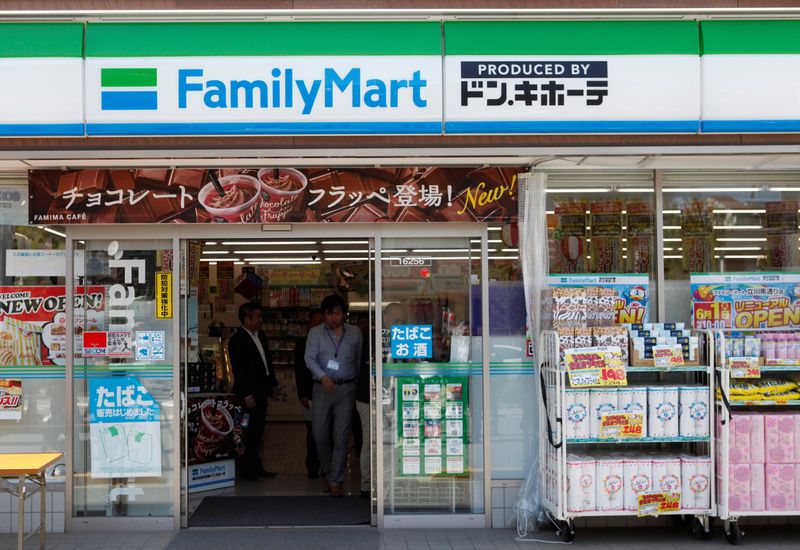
[
  {"x": 724, "y": 407},
  {"x": 556, "y": 400}
]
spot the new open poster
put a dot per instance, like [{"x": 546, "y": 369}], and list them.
[
  {"x": 10, "y": 399},
  {"x": 745, "y": 300},
  {"x": 629, "y": 294},
  {"x": 33, "y": 322},
  {"x": 125, "y": 428}
]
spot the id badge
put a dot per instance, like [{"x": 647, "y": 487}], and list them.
[{"x": 333, "y": 365}]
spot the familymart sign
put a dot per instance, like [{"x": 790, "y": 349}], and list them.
[{"x": 396, "y": 77}]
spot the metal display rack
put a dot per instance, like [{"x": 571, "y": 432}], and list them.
[
  {"x": 553, "y": 453},
  {"x": 724, "y": 406}
]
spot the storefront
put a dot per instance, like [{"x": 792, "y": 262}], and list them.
[{"x": 462, "y": 237}]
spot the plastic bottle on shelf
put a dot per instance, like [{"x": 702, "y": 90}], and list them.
[{"x": 768, "y": 346}]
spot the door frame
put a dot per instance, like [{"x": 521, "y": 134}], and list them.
[{"x": 177, "y": 233}]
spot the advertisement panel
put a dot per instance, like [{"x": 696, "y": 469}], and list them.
[
  {"x": 124, "y": 427},
  {"x": 630, "y": 293},
  {"x": 274, "y": 195},
  {"x": 10, "y": 399},
  {"x": 33, "y": 323},
  {"x": 745, "y": 300}
]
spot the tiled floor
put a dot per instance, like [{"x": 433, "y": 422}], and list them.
[{"x": 419, "y": 539}]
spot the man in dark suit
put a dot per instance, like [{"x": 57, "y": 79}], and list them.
[{"x": 253, "y": 380}]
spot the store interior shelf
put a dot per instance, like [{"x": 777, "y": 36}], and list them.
[
  {"x": 701, "y": 368},
  {"x": 763, "y": 513},
  {"x": 640, "y": 440}
]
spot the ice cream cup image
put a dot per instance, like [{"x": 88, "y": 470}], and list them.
[
  {"x": 239, "y": 204},
  {"x": 216, "y": 423},
  {"x": 281, "y": 188}
]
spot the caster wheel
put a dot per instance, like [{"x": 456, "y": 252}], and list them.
[
  {"x": 733, "y": 533},
  {"x": 699, "y": 529},
  {"x": 566, "y": 530}
]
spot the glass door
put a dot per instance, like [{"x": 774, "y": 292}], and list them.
[
  {"x": 123, "y": 414},
  {"x": 432, "y": 382}
]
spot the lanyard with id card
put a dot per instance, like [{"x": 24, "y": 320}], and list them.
[{"x": 333, "y": 364}]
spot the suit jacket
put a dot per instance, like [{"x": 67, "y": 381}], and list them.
[
  {"x": 249, "y": 372},
  {"x": 302, "y": 376}
]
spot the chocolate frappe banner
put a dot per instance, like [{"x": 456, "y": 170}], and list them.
[{"x": 274, "y": 195}]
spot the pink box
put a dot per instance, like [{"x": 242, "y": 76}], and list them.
[
  {"x": 780, "y": 439},
  {"x": 781, "y": 487},
  {"x": 746, "y": 492},
  {"x": 747, "y": 439}
]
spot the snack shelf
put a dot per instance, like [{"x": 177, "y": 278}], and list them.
[
  {"x": 705, "y": 439},
  {"x": 725, "y": 427},
  {"x": 688, "y": 451}
]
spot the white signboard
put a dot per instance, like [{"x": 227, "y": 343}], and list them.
[
  {"x": 265, "y": 95},
  {"x": 42, "y": 263}
]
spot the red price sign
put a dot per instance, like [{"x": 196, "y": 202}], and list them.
[
  {"x": 610, "y": 376},
  {"x": 598, "y": 366},
  {"x": 745, "y": 367}
]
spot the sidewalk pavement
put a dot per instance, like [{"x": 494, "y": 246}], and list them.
[{"x": 364, "y": 538}]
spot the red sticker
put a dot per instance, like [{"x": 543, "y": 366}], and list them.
[{"x": 425, "y": 273}]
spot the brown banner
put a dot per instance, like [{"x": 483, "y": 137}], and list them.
[{"x": 273, "y": 195}]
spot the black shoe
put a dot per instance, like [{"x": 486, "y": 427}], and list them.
[{"x": 263, "y": 473}]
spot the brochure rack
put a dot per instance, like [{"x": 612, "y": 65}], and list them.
[
  {"x": 725, "y": 425},
  {"x": 554, "y": 453}
]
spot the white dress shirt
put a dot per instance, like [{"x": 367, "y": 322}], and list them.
[{"x": 257, "y": 342}]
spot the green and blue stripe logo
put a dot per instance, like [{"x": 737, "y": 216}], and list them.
[{"x": 129, "y": 89}]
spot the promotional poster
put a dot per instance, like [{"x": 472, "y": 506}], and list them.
[
  {"x": 33, "y": 322},
  {"x": 630, "y": 293},
  {"x": 273, "y": 195},
  {"x": 745, "y": 300}
]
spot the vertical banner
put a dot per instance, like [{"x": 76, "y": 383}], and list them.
[
  {"x": 432, "y": 425},
  {"x": 163, "y": 295},
  {"x": 125, "y": 428}
]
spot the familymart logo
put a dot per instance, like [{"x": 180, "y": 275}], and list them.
[{"x": 129, "y": 89}]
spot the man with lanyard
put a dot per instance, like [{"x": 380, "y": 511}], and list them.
[{"x": 333, "y": 354}]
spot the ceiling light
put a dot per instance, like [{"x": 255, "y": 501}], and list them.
[
  {"x": 213, "y": 261},
  {"x": 296, "y": 259},
  {"x": 349, "y": 251},
  {"x": 211, "y": 243},
  {"x": 53, "y": 231},
  {"x": 740, "y": 248},
  {"x": 783, "y": 188},
  {"x": 741, "y": 239},
  {"x": 738, "y": 227},
  {"x": 671, "y": 211},
  {"x": 672, "y": 240},
  {"x": 572, "y": 190},
  {"x": 711, "y": 189},
  {"x": 494, "y": 228},
  {"x": 345, "y": 242},
  {"x": 216, "y": 252},
  {"x": 440, "y": 250},
  {"x": 511, "y": 250},
  {"x": 673, "y": 257},
  {"x": 504, "y": 257},
  {"x": 263, "y": 243},
  {"x": 742, "y": 211},
  {"x": 284, "y": 262},
  {"x": 275, "y": 251},
  {"x": 672, "y": 227},
  {"x": 744, "y": 257},
  {"x": 348, "y": 259},
  {"x": 239, "y": 263}
]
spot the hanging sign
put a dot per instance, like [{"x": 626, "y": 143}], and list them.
[
  {"x": 597, "y": 366},
  {"x": 622, "y": 426},
  {"x": 653, "y": 504},
  {"x": 10, "y": 399},
  {"x": 745, "y": 301},
  {"x": 744, "y": 367},
  {"x": 163, "y": 295},
  {"x": 125, "y": 428}
]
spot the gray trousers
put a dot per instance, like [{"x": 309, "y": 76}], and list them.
[{"x": 333, "y": 410}]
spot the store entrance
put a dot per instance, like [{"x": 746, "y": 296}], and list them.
[{"x": 286, "y": 279}]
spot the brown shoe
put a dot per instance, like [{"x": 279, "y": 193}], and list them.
[
  {"x": 326, "y": 487},
  {"x": 337, "y": 491}
]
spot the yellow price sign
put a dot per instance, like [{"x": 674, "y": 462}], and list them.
[
  {"x": 622, "y": 426},
  {"x": 653, "y": 504},
  {"x": 745, "y": 367}
]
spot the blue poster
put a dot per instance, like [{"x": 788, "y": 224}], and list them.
[
  {"x": 412, "y": 341},
  {"x": 125, "y": 428}
]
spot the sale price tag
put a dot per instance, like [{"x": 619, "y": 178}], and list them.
[
  {"x": 668, "y": 357},
  {"x": 597, "y": 366},
  {"x": 653, "y": 504},
  {"x": 622, "y": 426},
  {"x": 744, "y": 367}
]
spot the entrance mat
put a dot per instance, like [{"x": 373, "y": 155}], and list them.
[{"x": 280, "y": 511}]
